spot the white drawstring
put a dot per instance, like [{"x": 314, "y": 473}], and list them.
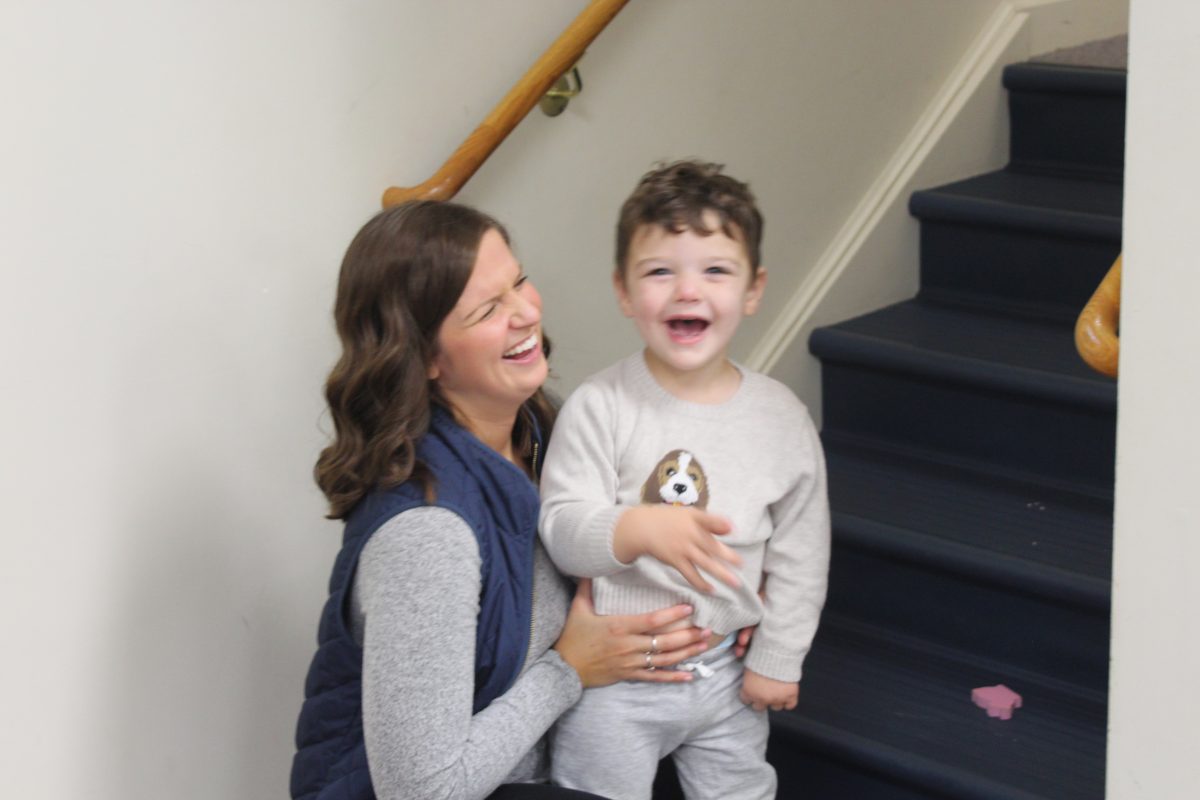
[{"x": 699, "y": 667}]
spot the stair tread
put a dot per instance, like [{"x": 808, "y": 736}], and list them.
[
  {"x": 910, "y": 714},
  {"x": 1025, "y": 353},
  {"x": 1044, "y": 76},
  {"x": 1061, "y": 193},
  {"x": 918, "y": 503},
  {"x": 1025, "y": 199}
]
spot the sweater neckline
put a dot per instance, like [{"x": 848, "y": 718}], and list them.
[{"x": 651, "y": 390}]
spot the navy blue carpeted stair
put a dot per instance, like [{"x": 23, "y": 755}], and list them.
[{"x": 970, "y": 469}]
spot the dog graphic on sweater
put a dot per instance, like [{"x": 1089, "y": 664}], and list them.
[{"x": 677, "y": 480}]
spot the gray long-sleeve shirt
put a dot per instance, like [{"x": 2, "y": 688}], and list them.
[{"x": 414, "y": 608}]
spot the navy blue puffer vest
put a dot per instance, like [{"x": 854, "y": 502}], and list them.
[{"x": 501, "y": 505}]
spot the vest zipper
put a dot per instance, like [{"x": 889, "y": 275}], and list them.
[
  {"x": 529, "y": 647},
  {"x": 533, "y": 468}
]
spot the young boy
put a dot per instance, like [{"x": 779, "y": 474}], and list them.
[{"x": 638, "y": 453}]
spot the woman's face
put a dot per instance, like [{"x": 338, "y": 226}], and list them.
[{"x": 490, "y": 357}]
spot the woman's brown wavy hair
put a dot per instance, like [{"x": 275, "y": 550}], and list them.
[{"x": 401, "y": 276}]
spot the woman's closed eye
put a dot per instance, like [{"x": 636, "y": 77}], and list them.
[{"x": 488, "y": 310}]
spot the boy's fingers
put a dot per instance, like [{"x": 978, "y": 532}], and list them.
[
  {"x": 713, "y": 523},
  {"x": 689, "y": 572},
  {"x": 718, "y": 570},
  {"x": 728, "y": 553}
]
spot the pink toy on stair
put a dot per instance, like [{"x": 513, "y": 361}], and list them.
[{"x": 999, "y": 701}]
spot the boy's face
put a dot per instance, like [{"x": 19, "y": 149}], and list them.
[{"x": 687, "y": 293}]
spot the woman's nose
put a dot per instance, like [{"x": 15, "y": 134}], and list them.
[{"x": 527, "y": 308}]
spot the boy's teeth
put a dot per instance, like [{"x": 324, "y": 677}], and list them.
[{"x": 524, "y": 346}]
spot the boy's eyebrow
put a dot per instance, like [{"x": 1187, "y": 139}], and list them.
[
  {"x": 665, "y": 260},
  {"x": 651, "y": 260}
]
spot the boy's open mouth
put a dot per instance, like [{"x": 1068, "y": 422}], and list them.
[{"x": 685, "y": 329}]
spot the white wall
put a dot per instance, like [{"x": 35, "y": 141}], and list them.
[
  {"x": 805, "y": 100},
  {"x": 1153, "y": 743},
  {"x": 179, "y": 182}
]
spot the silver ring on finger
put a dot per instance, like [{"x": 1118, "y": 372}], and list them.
[
  {"x": 650, "y": 661},
  {"x": 653, "y": 644}
]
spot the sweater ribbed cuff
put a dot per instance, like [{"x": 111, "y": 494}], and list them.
[
  {"x": 774, "y": 663},
  {"x": 596, "y": 543}
]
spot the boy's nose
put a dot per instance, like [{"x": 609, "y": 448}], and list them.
[{"x": 686, "y": 289}]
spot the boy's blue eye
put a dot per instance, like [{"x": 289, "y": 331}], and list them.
[
  {"x": 659, "y": 271},
  {"x": 719, "y": 269}
]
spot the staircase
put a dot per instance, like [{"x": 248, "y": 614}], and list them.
[{"x": 970, "y": 458}]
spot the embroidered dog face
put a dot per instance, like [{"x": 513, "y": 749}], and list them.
[{"x": 678, "y": 480}]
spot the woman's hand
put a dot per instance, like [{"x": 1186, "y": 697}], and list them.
[
  {"x": 682, "y": 537},
  {"x": 608, "y": 649}
]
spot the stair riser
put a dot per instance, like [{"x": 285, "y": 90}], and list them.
[
  {"x": 817, "y": 776},
  {"x": 1005, "y": 268},
  {"x": 1040, "y": 438},
  {"x": 995, "y": 623},
  {"x": 1066, "y": 132}
]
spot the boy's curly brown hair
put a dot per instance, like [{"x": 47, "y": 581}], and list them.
[{"x": 676, "y": 196}]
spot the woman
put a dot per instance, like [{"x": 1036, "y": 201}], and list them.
[{"x": 444, "y": 656}]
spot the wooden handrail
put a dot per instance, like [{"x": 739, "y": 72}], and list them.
[
  {"x": 555, "y": 62},
  {"x": 1096, "y": 331}
]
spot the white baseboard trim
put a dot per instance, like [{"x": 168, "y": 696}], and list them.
[{"x": 989, "y": 46}]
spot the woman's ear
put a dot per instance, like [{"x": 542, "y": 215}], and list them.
[{"x": 755, "y": 292}]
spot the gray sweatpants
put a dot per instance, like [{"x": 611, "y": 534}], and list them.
[{"x": 611, "y": 741}]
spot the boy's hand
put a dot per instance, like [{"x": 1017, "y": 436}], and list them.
[
  {"x": 681, "y": 537},
  {"x": 759, "y": 692}
]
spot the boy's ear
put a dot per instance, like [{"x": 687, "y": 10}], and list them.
[
  {"x": 623, "y": 301},
  {"x": 755, "y": 292}
]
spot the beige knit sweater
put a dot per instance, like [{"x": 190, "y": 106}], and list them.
[{"x": 622, "y": 440}]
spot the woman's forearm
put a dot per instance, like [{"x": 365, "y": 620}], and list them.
[{"x": 418, "y": 589}]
